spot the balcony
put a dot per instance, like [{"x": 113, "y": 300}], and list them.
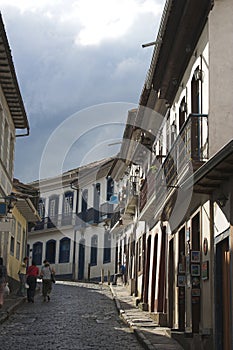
[
  {"x": 131, "y": 198},
  {"x": 54, "y": 222},
  {"x": 90, "y": 216},
  {"x": 187, "y": 154},
  {"x": 106, "y": 210}
]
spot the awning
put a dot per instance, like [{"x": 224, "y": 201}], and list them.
[
  {"x": 213, "y": 173},
  {"x": 27, "y": 209},
  {"x": 9, "y": 83}
]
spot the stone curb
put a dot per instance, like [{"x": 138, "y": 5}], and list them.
[
  {"x": 139, "y": 335},
  {"x": 10, "y": 310}
]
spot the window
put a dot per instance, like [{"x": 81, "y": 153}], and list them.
[
  {"x": 140, "y": 254},
  {"x": 18, "y": 244},
  {"x": 107, "y": 248},
  {"x": 84, "y": 200},
  {"x": 11, "y": 156},
  {"x": 110, "y": 188},
  {"x": 53, "y": 211},
  {"x": 37, "y": 253},
  {"x": 53, "y": 206},
  {"x": 12, "y": 246},
  {"x": 24, "y": 244},
  {"x": 68, "y": 203},
  {"x": 64, "y": 254},
  {"x": 12, "y": 242},
  {"x": 6, "y": 145},
  {"x": 51, "y": 251},
  {"x": 182, "y": 113},
  {"x": 94, "y": 247},
  {"x": 1, "y": 130},
  {"x": 84, "y": 205},
  {"x": 96, "y": 203},
  {"x": 41, "y": 208}
]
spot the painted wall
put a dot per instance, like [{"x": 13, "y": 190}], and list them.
[{"x": 221, "y": 75}]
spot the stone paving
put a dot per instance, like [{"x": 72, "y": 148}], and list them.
[
  {"x": 79, "y": 316},
  {"x": 148, "y": 332}
]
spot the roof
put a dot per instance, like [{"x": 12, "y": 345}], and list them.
[
  {"x": 9, "y": 83},
  {"x": 76, "y": 177},
  {"x": 180, "y": 28},
  {"x": 214, "y": 172},
  {"x": 27, "y": 209},
  {"x": 26, "y": 200}
]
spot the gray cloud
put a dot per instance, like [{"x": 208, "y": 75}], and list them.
[{"x": 58, "y": 77}]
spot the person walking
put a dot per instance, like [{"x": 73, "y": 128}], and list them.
[
  {"x": 22, "y": 277},
  {"x": 47, "y": 272},
  {"x": 3, "y": 281},
  {"x": 32, "y": 274}
]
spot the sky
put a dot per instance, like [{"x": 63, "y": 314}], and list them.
[{"x": 80, "y": 67}]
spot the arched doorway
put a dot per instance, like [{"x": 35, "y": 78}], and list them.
[{"x": 154, "y": 269}]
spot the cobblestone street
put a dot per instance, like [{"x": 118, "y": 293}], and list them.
[{"x": 79, "y": 316}]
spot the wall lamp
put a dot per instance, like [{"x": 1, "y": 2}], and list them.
[
  {"x": 199, "y": 74},
  {"x": 222, "y": 200}
]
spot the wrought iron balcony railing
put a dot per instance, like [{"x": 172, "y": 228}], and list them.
[
  {"x": 189, "y": 149},
  {"x": 90, "y": 216}
]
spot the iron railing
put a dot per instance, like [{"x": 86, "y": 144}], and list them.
[{"x": 189, "y": 149}]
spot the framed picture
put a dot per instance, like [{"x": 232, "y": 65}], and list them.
[
  {"x": 195, "y": 256},
  {"x": 181, "y": 268},
  {"x": 195, "y": 270},
  {"x": 181, "y": 281},
  {"x": 195, "y": 282},
  {"x": 205, "y": 270},
  {"x": 196, "y": 292}
]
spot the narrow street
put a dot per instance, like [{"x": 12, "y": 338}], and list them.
[{"x": 79, "y": 316}]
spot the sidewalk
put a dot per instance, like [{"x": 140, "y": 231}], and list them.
[
  {"x": 11, "y": 302},
  {"x": 147, "y": 331}
]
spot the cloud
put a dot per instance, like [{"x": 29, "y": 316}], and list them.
[{"x": 69, "y": 58}]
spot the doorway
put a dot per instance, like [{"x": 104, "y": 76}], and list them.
[
  {"x": 154, "y": 270},
  {"x": 222, "y": 309},
  {"x": 147, "y": 270},
  {"x": 181, "y": 289},
  {"x": 171, "y": 284},
  {"x": 81, "y": 259}
]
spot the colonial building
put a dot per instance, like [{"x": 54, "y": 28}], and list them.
[
  {"x": 21, "y": 214},
  {"x": 73, "y": 235},
  {"x": 14, "y": 211},
  {"x": 177, "y": 234}
]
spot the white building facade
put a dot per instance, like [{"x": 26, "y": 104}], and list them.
[{"x": 73, "y": 235}]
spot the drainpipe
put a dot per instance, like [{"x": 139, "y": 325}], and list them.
[
  {"x": 212, "y": 266},
  {"x": 74, "y": 256}
]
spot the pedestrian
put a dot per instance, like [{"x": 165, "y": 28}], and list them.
[
  {"x": 32, "y": 274},
  {"x": 123, "y": 273},
  {"x": 22, "y": 277},
  {"x": 47, "y": 272},
  {"x": 3, "y": 281}
]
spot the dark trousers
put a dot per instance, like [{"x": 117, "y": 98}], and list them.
[{"x": 31, "y": 281}]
